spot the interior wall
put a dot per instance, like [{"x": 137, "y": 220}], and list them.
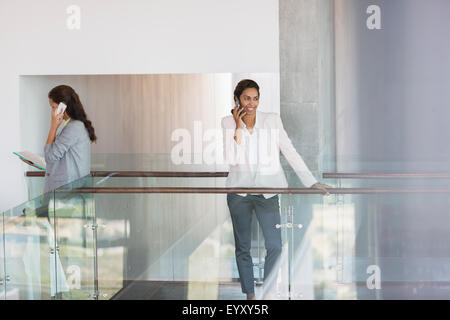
[
  {"x": 392, "y": 112},
  {"x": 138, "y": 113},
  {"x": 392, "y": 86},
  {"x": 130, "y": 113}
]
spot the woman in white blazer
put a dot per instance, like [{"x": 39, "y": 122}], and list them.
[{"x": 252, "y": 142}]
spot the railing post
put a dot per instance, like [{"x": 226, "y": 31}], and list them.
[
  {"x": 94, "y": 229},
  {"x": 339, "y": 236}
]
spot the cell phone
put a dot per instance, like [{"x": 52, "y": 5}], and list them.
[
  {"x": 237, "y": 102},
  {"x": 61, "y": 108}
]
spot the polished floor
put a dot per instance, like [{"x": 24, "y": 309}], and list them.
[{"x": 181, "y": 290}]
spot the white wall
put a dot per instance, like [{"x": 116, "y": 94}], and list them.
[{"x": 124, "y": 37}]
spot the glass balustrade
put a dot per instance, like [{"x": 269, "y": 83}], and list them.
[
  {"x": 28, "y": 254},
  {"x": 2, "y": 260},
  {"x": 96, "y": 239},
  {"x": 376, "y": 239}
]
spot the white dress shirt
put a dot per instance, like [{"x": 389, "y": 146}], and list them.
[
  {"x": 251, "y": 149},
  {"x": 255, "y": 162}
]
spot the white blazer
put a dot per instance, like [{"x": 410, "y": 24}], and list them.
[{"x": 271, "y": 139}]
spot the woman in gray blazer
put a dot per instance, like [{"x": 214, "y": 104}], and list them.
[
  {"x": 67, "y": 153},
  {"x": 67, "y": 157}
]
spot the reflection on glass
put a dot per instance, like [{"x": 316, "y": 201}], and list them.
[
  {"x": 181, "y": 246},
  {"x": 75, "y": 228},
  {"x": 29, "y": 251},
  {"x": 2, "y": 260}
]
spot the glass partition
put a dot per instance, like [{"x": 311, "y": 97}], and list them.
[
  {"x": 35, "y": 185},
  {"x": 28, "y": 250},
  {"x": 369, "y": 239},
  {"x": 153, "y": 239},
  {"x": 149, "y": 162},
  {"x": 47, "y": 249},
  {"x": 157, "y": 245},
  {"x": 172, "y": 245},
  {"x": 380, "y": 239},
  {"x": 75, "y": 235},
  {"x": 2, "y": 260},
  {"x": 115, "y": 163}
]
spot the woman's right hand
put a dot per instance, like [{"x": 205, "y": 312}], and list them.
[
  {"x": 323, "y": 187},
  {"x": 56, "y": 119},
  {"x": 237, "y": 115}
]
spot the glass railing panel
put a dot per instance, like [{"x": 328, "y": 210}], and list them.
[
  {"x": 75, "y": 242},
  {"x": 303, "y": 247},
  {"x": 158, "y": 246},
  {"x": 132, "y": 233},
  {"x": 35, "y": 185},
  {"x": 276, "y": 284},
  {"x": 29, "y": 250},
  {"x": 158, "y": 243},
  {"x": 197, "y": 162},
  {"x": 202, "y": 252},
  {"x": 432, "y": 181},
  {"x": 352, "y": 164},
  {"x": 141, "y": 182},
  {"x": 153, "y": 162},
  {"x": 257, "y": 253},
  {"x": 2, "y": 259},
  {"x": 401, "y": 245},
  {"x": 321, "y": 248},
  {"x": 146, "y": 231},
  {"x": 134, "y": 162},
  {"x": 159, "y": 238},
  {"x": 390, "y": 242},
  {"x": 331, "y": 245}
]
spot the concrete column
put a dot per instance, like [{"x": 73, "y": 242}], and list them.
[{"x": 307, "y": 80}]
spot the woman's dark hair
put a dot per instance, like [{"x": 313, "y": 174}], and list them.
[
  {"x": 74, "y": 108},
  {"x": 245, "y": 84}
]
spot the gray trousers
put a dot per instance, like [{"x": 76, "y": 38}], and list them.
[{"x": 268, "y": 215}]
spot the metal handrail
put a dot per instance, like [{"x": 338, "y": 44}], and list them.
[
  {"x": 337, "y": 175},
  {"x": 253, "y": 190},
  {"x": 187, "y": 174},
  {"x": 143, "y": 174}
]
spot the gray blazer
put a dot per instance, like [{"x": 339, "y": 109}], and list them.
[{"x": 69, "y": 157}]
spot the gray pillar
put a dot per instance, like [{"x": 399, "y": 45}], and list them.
[{"x": 307, "y": 80}]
